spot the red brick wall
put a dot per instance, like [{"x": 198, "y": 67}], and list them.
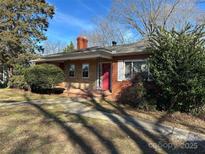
[
  {"x": 117, "y": 86},
  {"x": 79, "y": 82}
]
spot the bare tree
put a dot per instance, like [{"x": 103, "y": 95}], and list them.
[
  {"x": 128, "y": 16},
  {"x": 52, "y": 47},
  {"x": 145, "y": 15},
  {"x": 107, "y": 30}
]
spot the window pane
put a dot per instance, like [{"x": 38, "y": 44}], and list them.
[
  {"x": 71, "y": 70},
  {"x": 85, "y": 69},
  {"x": 128, "y": 68},
  {"x": 136, "y": 67},
  {"x": 140, "y": 67}
]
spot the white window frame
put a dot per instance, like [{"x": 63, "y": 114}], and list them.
[
  {"x": 132, "y": 61},
  {"x": 69, "y": 70},
  {"x": 88, "y": 71}
]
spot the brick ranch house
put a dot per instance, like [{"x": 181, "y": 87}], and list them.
[{"x": 104, "y": 69}]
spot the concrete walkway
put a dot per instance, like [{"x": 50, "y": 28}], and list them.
[{"x": 173, "y": 132}]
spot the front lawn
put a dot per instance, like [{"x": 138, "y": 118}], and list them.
[
  {"x": 180, "y": 120},
  {"x": 42, "y": 124},
  {"x": 33, "y": 128},
  {"x": 16, "y": 95}
]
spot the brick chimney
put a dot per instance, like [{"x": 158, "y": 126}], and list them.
[{"x": 82, "y": 42}]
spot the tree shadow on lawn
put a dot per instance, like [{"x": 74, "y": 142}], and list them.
[
  {"x": 18, "y": 131},
  {"x": 129, "y": 120},
  {"x": 73, "y": 135},
  {"x": 188, "y": 146},
  {"x": 167, "y": 147},
  {"x": 139, "y": 141},
  {"x": 70, "y": 132},
  {"x": 7, "y": 101},
  {"x": 108, "y": 144},
  {"x": 25, "y": 146},
  {"x": 144, "y": 145},
  {"x": 77, "y": 139}
]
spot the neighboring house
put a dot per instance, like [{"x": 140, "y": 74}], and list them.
[{"x": 106, "y": 68}]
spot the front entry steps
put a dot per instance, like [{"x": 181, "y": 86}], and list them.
[{"x": 88, "y": 93}]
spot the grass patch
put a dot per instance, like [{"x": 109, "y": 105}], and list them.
[{"x": 15, "y": 95}]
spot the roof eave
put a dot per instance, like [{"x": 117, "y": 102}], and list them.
[{"x": 81, "y": 57}]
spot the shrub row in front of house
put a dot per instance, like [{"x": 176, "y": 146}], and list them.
[{"x": 39, "y": 78}]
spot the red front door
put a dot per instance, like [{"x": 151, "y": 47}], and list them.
[{"x": 106, "y": 76}]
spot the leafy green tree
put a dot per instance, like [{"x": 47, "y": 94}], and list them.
[
  {"x": 69, "y": 48},
  {"x": 44, "y": 76},
  {"x": 22, "y": 26},
  {"x": 177, "y": 64}
]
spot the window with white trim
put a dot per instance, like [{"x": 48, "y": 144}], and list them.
[
  {"x": 71, "y": 71},
  {"x": 132, "y": 68},
  {"x": 85, "y": 70}
]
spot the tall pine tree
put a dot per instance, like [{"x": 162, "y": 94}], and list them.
[{"x": 22, "y": 26}]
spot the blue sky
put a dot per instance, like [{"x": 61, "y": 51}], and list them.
[{"x": 73, "y": 17}]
